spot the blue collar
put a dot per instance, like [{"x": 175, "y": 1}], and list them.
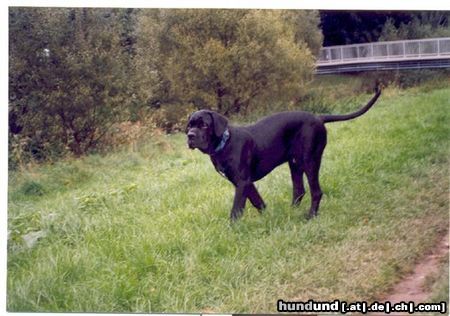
[{"x": 225, "y": 137}]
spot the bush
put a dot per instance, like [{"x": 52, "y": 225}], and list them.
[
  {"x": 67, "y": 78},
  {"x": 128, "y": 133},
  {"x": 172, "y": 117},
  {"x": 405, "y": 79},
  {"x": 229, "y": 60}
]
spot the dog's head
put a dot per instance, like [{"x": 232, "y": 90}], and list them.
[{"x": 205, "y": 129}]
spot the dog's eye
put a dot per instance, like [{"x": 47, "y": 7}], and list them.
[{"x": 202, "y": 125}]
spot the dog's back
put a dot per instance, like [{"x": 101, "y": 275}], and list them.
[{"x": 280, "y": 127}]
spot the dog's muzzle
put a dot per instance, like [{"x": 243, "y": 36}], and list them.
[{"x": 191, "y": 140}]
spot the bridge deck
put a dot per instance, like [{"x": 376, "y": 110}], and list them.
[{"x": 385, "y": 52}]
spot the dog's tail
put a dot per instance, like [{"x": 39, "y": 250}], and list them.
[{"x": 345, "y": 117}]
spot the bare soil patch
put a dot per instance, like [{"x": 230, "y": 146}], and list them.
[{"x": 412, "y": 287}]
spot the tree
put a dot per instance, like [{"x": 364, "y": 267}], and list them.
[
  {"x": 149, "y": 82},
  {"x": 352, "y": 27},
  {"x": 421, "y": 25},
  {"x": 73, "y": 73},
  {"x": 230, "y": 60},
  {"x": 67, "y": 76}
]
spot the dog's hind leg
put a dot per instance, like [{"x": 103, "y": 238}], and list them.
[
  {"x": 312, "y": 157},
  {"x": 295, "y": 165},
  {"x": 312, "y": 173}
]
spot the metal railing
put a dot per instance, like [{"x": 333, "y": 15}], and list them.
[{"x": 385, "y": 51}]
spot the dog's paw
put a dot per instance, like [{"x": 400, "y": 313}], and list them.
[
  {"x": 235, "y": 215},
  {"x": 261, "y": 208},
  {"x": 311, "y": 216}
]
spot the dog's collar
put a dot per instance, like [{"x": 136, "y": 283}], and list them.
[{"x": 223, "y": 142}]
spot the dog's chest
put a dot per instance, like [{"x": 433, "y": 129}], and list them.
[{"x": 222, "y": 167}]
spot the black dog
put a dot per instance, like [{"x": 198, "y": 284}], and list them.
[{"x": 246, "y": 154}]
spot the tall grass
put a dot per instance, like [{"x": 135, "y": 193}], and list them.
[{"x": 148, "y": 231}]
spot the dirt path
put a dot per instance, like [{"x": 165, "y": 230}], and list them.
[{"x": 412, "y": 287}]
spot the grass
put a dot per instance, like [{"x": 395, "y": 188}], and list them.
[
  {"x": 148, "y": 231},
  {"x": 439, "y": 287}
]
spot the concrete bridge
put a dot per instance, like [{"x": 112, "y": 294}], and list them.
[{"x": 409, "y": 54}]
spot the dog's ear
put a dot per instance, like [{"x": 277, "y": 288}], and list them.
[{"x": 220, "y": 123}]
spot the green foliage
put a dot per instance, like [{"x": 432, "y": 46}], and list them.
[
  {"x": 67, "y": 77},
  {"x": 352, "y": 27},
  {"x": 77, "y": 74},
  {"x": 346, "y": 93},
  {"x": 230, "y": 60},
  {"x": 424, "y": 79},
  {"x": 421, "y": 25},
  {"x": 172, "y": 117},
  {"x": 84, "y": 80}
]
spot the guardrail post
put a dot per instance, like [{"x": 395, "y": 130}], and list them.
[{"x": 404, "y": 49}]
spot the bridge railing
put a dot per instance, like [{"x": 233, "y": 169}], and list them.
[{"x": 384, "y": 51}]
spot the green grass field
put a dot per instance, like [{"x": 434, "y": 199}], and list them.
[{"x": 148, "y": 231}]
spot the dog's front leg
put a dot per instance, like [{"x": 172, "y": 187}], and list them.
[
  {"x": 239, "y": 201},
  {"x": 243, "y": 191},
  {"x": 241, "y": 178},
  {"x": 254, "y": 197}
]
